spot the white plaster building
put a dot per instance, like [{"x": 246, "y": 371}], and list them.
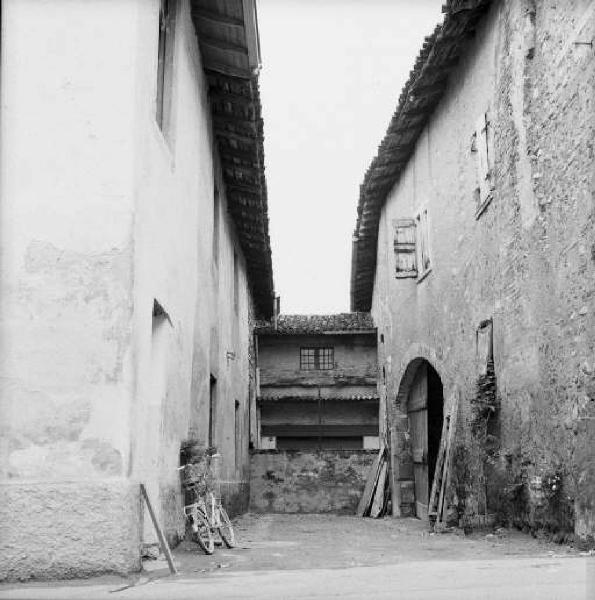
[{"x": 134, "y": 256}]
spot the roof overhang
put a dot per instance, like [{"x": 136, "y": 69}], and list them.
[
  {"x": 227, "y": 32},
  {"x": 421, "y": 94}
]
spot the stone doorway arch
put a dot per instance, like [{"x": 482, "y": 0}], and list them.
[{"x": 416, "y": 431}]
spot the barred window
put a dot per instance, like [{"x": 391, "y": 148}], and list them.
[{"x": 317, "y": 358}]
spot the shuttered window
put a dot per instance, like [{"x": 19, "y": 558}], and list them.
[
  {"x": 423, "y": 243},
  {"x": 404, "y": 245},
  {"x": 484, "y": 152}
]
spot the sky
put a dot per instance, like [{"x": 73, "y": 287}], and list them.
[{"x": 330, "y": 81}]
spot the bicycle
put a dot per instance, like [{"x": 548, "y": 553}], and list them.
[{"x": 205, "y": 515}]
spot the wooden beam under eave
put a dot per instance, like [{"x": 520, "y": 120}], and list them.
[
  {"x": 218, "y": 94},
  {"x": 225, "y": 69},
  {"x": 220, "y": 44},
  {"x": 243, "y": 187},
  {"x": 231, "y": 135},
  {"x": 218, "y": 18}
]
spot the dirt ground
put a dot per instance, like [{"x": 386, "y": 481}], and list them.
[
  {"x": 317, "y": 557},
  {"x": 288, "y": 542}
]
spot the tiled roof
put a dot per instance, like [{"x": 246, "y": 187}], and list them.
[
  {"x": 308, "y": 324},
  {"x": 421, "y": 94},
  {"x": 227, "y": 34}
]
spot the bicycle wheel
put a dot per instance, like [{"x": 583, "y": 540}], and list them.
[
  {"x": 226, "y": 529},
  {"x": 201, "y": 533}
]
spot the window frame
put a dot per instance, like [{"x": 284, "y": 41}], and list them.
[{"x": 321, "y": 357}]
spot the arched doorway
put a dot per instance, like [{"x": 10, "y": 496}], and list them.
[{"x": 425, "y": 403}]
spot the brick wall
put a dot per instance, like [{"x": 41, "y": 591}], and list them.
[{"x": 308, "y": 482}]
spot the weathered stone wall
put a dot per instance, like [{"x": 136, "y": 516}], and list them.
[
  {"x": 527, "y": 263},
  {"x": 295, "y": 481},
  {"x": 354, "y": 356}
]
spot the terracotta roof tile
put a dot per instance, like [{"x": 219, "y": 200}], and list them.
[{"x": 309, "y": 324}]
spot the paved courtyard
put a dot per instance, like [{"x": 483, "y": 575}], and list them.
[{"x": 323, "y": 556}]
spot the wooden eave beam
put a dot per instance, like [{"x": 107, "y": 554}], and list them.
[
  {"x": 232, "y": 135},
  {"x": 216, "y": 17},
  {"x": 223, "y": 96},
  {"x": 220, "y": 44}
]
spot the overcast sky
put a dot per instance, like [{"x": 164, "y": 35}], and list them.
[{"x": 331, "y": 77}]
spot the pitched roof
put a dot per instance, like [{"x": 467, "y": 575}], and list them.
[
  {"x": 354, "y": 322},
  {"x": 421, "y": 94},
  {"x": 227, "y": 32}
]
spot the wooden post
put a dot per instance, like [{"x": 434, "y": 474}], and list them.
[{"x": 162, "y": 541}]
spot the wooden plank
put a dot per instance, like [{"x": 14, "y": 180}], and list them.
[
  {"x": 437, "y": 481},
  {"x": 218, "y": 18},
  {"x": 162, "y": 541},
  {"x": 364, "y": 502},
  {"x": 378, "y": 501},
  {"x": 447, "y": 456}
]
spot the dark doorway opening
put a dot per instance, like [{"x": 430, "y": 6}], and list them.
[{"x": 425, "y": 403}]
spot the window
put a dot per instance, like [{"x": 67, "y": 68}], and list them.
[
  {"x": 482, "y": 146},
  {"x": 317, "y": 358},
  {"x": 165, "y": 63},
  {"x": 216, "y": 228},
  {"x": 404, "y": 245},
  {"x": 212, "y": 409},
  {"x": 236, "y": 283},
  {"x": 422, "y": 239}
]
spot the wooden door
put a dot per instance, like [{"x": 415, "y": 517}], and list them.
[{"x": 417, "y": 411}]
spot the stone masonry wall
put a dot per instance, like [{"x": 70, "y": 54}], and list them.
[
  {"x": 527, "y": 263},
  {"x": 308, "y": 482}
]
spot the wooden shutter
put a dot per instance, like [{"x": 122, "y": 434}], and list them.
[
  {"x": 485, "y": 160},
  {"x": 423, "y": 242},
  {"x": 404, "y": 245}
]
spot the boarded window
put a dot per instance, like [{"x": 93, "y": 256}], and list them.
[
  {"x": 483, "y": 148},
  {"x": 404, "y": 245},
  {"x": 317, "y": 358},
  {"x": 423, "y": 242},
  {"x": 485, "y": 346}
]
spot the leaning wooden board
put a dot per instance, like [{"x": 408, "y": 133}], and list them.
[
  {"x": 162, "y": 541},
  {"x": 378, "y": 502},
  {"x": 370, "y": 486}
]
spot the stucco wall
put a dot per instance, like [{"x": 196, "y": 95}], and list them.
[
  {"x": 308, "y": 482},
  {"x": 100, "y": 215},
  {"x": 526, "y": 262}
]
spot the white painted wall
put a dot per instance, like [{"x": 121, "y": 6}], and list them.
[
  {"x": 66, "y": 237},
  {"x": 100, "y": 215}
]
